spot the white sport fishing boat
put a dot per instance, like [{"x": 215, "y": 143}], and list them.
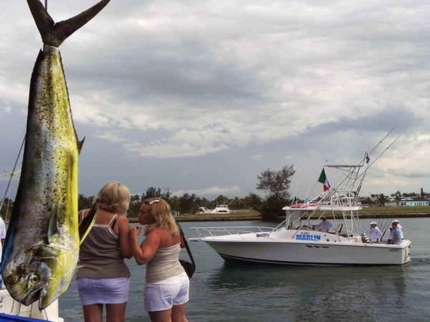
[
  {"x": 296, "y": 242},
  {"x": 219, "y": 209}
]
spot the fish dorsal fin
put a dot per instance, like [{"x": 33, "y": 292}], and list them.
[
  {"x": 53, "y": 34},
  {"x": 80, "y": 145},
  {"x": 87, "y": 223}
]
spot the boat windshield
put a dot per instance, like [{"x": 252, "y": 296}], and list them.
[{"x": 339, "y": 207}]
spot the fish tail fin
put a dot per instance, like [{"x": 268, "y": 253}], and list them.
[
  {"x": 80, "y": 144},
  {"x": 87, "y": 223},
  {"x": 53, "y": 34}
]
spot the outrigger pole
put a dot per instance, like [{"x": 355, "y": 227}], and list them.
[
  {"x": 354, "y": 173},
  {"x": 376, "y": 159},
  {"x": 380, "y": 142}
]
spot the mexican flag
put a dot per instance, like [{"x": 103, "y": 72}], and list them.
[{"x": 324, "y": 181}]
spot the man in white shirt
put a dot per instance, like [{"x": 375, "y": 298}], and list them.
[
  {"x": 2, "y": 237},
  {"x": 324, "y": 226},
  {"x": 375, "y": 233}
]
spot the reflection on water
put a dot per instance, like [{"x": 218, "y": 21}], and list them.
[{"x": 318, "y": 293}]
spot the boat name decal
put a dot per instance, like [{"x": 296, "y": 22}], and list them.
[{"x": 308, "y": 237}]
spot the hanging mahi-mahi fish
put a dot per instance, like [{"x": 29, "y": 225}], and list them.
[{"x": 42, "y": 242}]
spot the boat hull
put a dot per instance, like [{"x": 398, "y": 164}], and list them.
[
  {"x": 327, "y": 251},
  {"x": 11, "y": 310}
]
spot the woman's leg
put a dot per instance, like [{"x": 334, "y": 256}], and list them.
[
  {"x": 178, "y": 313},
  {"x": 115, "y": 312},
  {"x": 161, "y": 316},
  {"x": 93, "y": 312}
]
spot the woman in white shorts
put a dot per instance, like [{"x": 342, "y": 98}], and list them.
[
  {"x": 167, "y": 285},
  {"x": 103, "y": 278}
]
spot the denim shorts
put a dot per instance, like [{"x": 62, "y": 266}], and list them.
[
  {"x": 103, "y": 291},
  {"x": 163, "y": 295}
]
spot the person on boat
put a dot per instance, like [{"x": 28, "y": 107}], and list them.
[
  {"x": 398, "y": 226},
  {"x": 397, "y": 234},
  {"x": 103, "y": 278},
  {"x": 374, "y": 233},
  {"x": 2, "y": 238},
  {"x": 167, "y": 285},
  {"x": 390, "y": 234},
  {"x": 324, "y": 226}
]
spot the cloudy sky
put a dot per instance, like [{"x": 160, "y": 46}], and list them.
[{"x": 201, "y": 96}]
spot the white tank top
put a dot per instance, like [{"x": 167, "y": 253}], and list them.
[{"x": 164, "y": 264}]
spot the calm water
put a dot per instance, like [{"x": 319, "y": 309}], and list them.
[{"x": 222, "y": 292}]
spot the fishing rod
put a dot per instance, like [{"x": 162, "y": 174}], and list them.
[
  {"x": 12, "y": 174},
  {"x": 388, "y": 225}
]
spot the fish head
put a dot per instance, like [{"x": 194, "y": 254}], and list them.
[
  {"x": 40, "y": 275},
  {"x": 26, "y": 281}
]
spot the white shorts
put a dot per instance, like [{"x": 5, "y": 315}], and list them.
[
  {"x": 103, "y": 291},
  {"x": 163, "y": 295}
]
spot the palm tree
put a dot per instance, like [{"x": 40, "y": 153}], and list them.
[{"x": 381, "y": 199}]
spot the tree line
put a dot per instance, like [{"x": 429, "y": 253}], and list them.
[{"x": 274, "y": 183}]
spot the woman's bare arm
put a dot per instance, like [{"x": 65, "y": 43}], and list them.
[
  {"x": 144, "y": 252},
  {"x": 124, "y": 237}
]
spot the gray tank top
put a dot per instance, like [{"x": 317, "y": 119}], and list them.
[
  {"x": 100, "y": 254},
  {"x": 164, "y": 264}
]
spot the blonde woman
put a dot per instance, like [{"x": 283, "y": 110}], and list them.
[
  {"x": 160, "y": 251},
  {"x": 103, "y": 278}
]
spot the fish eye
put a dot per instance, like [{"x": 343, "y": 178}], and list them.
[{"x": 33, "y": 279}]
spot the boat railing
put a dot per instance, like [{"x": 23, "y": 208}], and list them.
[{"x": 221, "y": 231}]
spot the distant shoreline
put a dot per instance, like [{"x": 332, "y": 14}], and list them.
[{"x": 256, "y": 216}]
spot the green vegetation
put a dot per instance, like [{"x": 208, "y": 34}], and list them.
[
  {"x": 276, "y": 186},
  {"x": 373, "y": 212},
  {"x": 395, "y": 211}
]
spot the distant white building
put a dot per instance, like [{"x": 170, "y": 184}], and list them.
[{"x": 414, "y": 203}]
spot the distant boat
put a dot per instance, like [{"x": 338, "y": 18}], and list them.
[{"x": 219, "y": 209}]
